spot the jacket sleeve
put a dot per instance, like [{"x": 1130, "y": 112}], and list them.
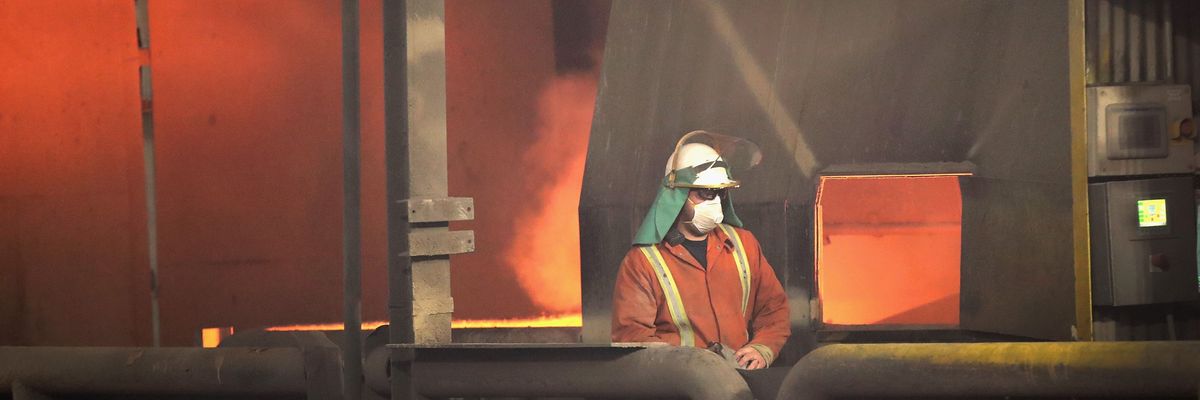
[
  {"x": 770, "y": 324},
  {"x": 635, "y": 306}
]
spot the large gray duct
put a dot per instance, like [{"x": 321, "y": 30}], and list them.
[
  {"x": 823, "y": 82},
  {"x": 566, "y": 371}
]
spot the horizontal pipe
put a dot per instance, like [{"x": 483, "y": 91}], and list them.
[
  {"x": 665, "y": 371},
  {"x": 153, "y": 371},
  {"x": 1080, "y": 369}
]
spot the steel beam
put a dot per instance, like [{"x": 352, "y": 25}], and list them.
[
  {"x": 1060, "y": 369},
  {"x": 396, "y": 151},
  {"x": 430, "y": 242},
  {"x": 351, "y": 193},
  {"x": 142, "y": 10}
]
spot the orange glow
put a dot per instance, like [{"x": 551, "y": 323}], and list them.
[
  {"x": 560, "y": 321},
  {"x": 211, "y": 337},
  {"x": 522, "y": 127},
  {"x": 366, "y": 326},
  {"x": 888, "y": 249},
  {"x": 556, "y": 321},
  {"x": 547, "y": 256}
]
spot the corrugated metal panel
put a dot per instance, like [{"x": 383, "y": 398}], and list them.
[{"x": 1133, "y": 41}]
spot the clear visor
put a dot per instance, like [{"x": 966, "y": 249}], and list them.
[{"x": 737, "y": 154}]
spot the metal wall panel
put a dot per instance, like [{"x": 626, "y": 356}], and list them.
[
  {"x": 73, "y": 269},
  {"x": 818, "y": 83},
  {"x": 1131, "y": 41}
]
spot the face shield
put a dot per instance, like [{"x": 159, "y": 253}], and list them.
[{"x": 705, "y": 160}]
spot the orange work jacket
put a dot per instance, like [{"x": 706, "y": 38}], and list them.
[{"x": 712, "y": 297}]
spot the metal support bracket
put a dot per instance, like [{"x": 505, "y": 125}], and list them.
[
  {"x": 440, "y": 209},
  {"x": 438, "y": 243}
]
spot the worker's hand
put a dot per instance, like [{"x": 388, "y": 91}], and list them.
[{"x": 749, "y": 358}]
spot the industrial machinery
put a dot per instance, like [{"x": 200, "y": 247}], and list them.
[
  {"x": 1140, "y": 194},
  {"x": 914, "y": 107}
]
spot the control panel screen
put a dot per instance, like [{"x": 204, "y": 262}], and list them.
[
  {"x": 1137, "y": 131},
  {"x": 1141, "y": 130},
  {"x": 1152, "y": 212}
]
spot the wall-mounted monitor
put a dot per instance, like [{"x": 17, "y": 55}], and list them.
[
  {"x": 1152, "y": 212},
  {"x": 1137, "y": 131}
]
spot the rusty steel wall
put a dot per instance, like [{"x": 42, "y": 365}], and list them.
[
  {"x": 73, "y": 267},
  {"x": 820, "y": 83}
]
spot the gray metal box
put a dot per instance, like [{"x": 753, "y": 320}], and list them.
[
  {"x": 1141, "y": 253},
  {"x": 1135, "y": 130}
]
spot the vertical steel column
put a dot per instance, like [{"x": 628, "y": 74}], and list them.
[
  {"x": 142, "y": 12},
  {"x": 1081, "y": 243},
  {"x": 352, "y": 375},
  {"x": 430, "y": 240},
  {"x": 400, "y": 289}
]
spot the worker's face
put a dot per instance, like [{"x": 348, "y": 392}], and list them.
[{"x": 697, "y": 196}]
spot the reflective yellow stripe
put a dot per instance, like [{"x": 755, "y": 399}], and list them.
[
  {"x": 674, "y": 302},
  {"x": 743, "y": 266}
]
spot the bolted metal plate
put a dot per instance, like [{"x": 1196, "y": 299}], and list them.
[
  {"x": 437, "y": 243},
  {"x": 433, "y": 305},
  {"x": 441, "y": 209}
]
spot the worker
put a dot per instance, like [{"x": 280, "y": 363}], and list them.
[{"x": 694, "y": 276}]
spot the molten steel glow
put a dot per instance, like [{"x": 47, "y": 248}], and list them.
[
  {"x": 888, "y": 249},
  {"x": 559, "y": 321},
  {"x": 555, "y": 321},
  {"x": 366, "y": 326},
  {"x": 547, "y": 256}
]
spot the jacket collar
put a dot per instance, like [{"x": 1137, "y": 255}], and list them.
[{"x": 675, "y": 238}]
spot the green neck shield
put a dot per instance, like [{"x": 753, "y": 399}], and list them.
[{"x": 666, "y": 207}]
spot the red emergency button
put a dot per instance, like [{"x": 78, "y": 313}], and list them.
[
  {"x": 1159, "y": 262},
  {"x": 1183, "y": 128}
]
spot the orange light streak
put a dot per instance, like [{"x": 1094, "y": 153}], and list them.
[
  {"x": 559, "y": 321},
  {"x": 332, "y": 326},
  {"x": 556, "y": 321}
]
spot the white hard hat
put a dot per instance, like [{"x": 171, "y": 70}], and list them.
[{"x": 711, "y": 171}]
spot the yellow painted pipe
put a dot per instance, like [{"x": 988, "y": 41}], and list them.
[{"x": 1092, "y": 369}]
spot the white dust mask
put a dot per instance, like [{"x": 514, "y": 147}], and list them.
[{"x": 707, "y": 215}]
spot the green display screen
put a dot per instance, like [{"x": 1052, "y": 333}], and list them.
[{"x": 1152, "y": 212}]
